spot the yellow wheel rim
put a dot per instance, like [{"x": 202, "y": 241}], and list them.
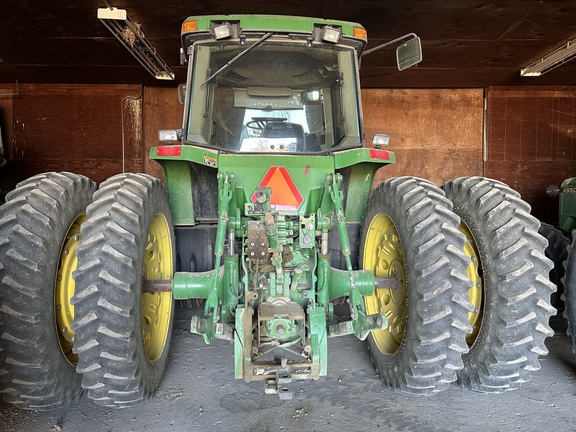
[
  {"x": 156, "y": 308},
  {"x": 64, "y": 289},
  {"x": 476, "y": 292},
  {"x": 383, "y": 255}
]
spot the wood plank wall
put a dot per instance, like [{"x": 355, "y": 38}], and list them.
[
  {"x": 95, "y": 130},
  {"x": 436, "y": 134},
  {"x": 161, "y": 111},
  {"x": 531, "y": 133},
  {"x": 421, "y": 124},
  {"x": 7, "y": 176}
]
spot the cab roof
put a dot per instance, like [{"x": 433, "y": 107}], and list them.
[{"x": 198, "y": 27}]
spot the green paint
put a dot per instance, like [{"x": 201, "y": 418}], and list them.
[
  {"x": 360, "y": 183},
  {"x": 350, "y": 157},
  {"x": 193, "y": 285},
  {"x": 179, "y": 184},
  {"x": 567, "y": 205},
  {"x": 273, "y": 23},
  {"x": 339, "y": 285},
  {"x": 272, "y": 283}
]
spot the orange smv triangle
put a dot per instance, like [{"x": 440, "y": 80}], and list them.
[{"x": 285, "y": 194}]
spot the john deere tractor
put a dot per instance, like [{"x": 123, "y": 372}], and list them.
[{"x": 268, "y": 215}]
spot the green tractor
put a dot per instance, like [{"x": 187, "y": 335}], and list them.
[{"x": 268, "y": 215}]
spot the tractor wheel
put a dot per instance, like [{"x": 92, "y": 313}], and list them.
[
  {"x": 122, "y": 332},
  {"x": 410, "y": 233},
  {"x": 557, "y": 252},
  {"x": 511, "y": 291},
  {"x": 39, "y": 231},
  {"x": 569, "y": 295}
]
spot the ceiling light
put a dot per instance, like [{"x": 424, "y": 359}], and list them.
[
  {"x": 128, "y": 32},
  {"x": 551, "y": 61}
]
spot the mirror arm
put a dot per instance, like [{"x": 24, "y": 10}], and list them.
[{"x": 371, "y": 50}]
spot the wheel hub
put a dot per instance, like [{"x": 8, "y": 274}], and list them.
[
  {"x": 476, "y": 292},
  {"x": 383, "y": 255},
  {"x": 64, "y": 288},
  {"x": 156, "y": 307}
]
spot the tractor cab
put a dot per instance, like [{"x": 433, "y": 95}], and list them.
[
  {"x": 264, "y": 84},
  {"x": 272, "y": 91}
]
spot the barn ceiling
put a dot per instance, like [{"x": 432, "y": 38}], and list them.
[{"x": 466, "y": 43}]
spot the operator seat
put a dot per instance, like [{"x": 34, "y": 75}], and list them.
[{"x": 282, "y": 129}]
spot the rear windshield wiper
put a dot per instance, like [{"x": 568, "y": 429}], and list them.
[{"x": 237, "y": 57}]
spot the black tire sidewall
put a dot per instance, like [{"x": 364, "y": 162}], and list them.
[
  {"x": 569, "y": 295},
  {"x": 435, "y": 267},
  {"x": 516, "y": 299},
  {"x": 152, "y": 373},
  {"x": 109, "y": 282},
  {"x": 383, "y": 205},
  {"x": 58, "y": 383}
]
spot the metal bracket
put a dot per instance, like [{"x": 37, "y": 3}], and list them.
[
  {"x": 279, "y": 384},
  {"x": 209, "y": 329},
  {"x": 360, "y": 326}
]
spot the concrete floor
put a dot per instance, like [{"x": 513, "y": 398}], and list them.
[{"x": 199, "y": 393}]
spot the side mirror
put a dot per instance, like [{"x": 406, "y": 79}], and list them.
[
  {"x": 409, "y": 53},
  {"x": 181, "y": 93}
]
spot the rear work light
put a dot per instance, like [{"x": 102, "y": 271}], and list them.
[{"x": 331, "y": 34}]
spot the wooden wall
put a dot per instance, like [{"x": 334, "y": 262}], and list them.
[
  {"x": 436, "y": 134},
  {"x": 531, "y": 133},
  {"x": 7, "y": 173},
  {"x": 95, "y": 130},
  {"x": 525, "y": 136},
  {"x": 161, "y": 111}
]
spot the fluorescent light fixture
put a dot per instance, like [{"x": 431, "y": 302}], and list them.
[
  {"x": 128, "y": 32},
  {"x": 551, "y": 61}
]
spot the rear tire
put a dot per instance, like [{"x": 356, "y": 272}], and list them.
[
  {"x": 122, "y": 333},
  {"x": 557, "y": 252},
  {"x": 516, "y": 289},
  {"x": 39, "y": 230},
  {"x": 569, "y": 296},
  {"x": 409, "y": 232}
]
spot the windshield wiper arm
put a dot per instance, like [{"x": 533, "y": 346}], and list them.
[{"x": 237, "y": 57}]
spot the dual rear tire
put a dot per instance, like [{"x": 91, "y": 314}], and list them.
[
  {"x": 71, "y": 290},
  {"x": 473, "y": 302}
]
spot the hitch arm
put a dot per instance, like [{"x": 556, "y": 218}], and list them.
[{"x": 360, "y": 324}]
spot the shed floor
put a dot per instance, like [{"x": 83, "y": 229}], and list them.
[{"x": 199, "y": 393}]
